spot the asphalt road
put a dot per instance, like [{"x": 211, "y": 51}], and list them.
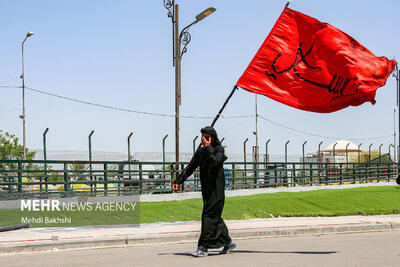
[{"x": 362, "y": 249}]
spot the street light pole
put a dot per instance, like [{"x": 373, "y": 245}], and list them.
[
  {"x": 178, "y": 39},
  {"x": 23, "y": 94}
]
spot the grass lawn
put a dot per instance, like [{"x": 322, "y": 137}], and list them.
[{"x": 335, "y": 202}]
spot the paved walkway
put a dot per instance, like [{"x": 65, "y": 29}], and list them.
[{"x": 55, "y": 238}]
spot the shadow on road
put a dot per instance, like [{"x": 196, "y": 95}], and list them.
[{"x": 214, "y": 253}]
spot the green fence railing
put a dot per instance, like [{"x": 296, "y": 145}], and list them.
[{"x": 52, "y": 178}]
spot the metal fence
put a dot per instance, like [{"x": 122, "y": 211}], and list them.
[{"x": 47, "y": 179}]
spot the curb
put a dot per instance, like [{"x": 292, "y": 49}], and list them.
[{"x": 192, "y": 236}]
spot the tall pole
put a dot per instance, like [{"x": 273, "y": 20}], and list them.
[
  {"x": 23, "y": 94},
  {"x": 398, "y": 109},
  {"x": 256, "y": 128},
  {"x": 359, "y": 151},
  {"x": 380, "y": 150},
  {"x": 194, "y": 144},
  {"x": 177, "y": 84},
  {"x": 396, "y": 74},
  {"x": 394, "y": 134}
]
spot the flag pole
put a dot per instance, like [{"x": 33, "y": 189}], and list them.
[
  {"x": 223, "y": 106},
  {"x": 215, "y": 120}
]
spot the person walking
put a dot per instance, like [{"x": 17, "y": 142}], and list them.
[{"x": 210, "y": 158}]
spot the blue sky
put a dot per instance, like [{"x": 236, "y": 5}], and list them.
[{"x": 118, "y": 53}]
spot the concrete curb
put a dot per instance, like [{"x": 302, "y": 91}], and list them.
[{"x": 192, "y": 236}]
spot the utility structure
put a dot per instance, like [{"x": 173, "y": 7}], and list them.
[
  {"x": 23, "y": 117},
  {"x": 396, "y": 75},
  {"x": 178, "y": 39}
]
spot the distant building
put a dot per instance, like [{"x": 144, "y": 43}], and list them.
[{"x": 340, "y": 151}]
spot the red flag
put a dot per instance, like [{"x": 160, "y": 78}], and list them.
[{"x": 314, "y": 66}]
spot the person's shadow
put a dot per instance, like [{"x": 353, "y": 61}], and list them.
[{"x": 214, "y": 253}]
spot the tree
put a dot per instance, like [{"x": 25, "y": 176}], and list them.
[
  {"x": 11, "y": 150},
  {"x": 79, "y": 170}
]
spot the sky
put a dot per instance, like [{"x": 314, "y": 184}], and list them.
[{"x": 119, "y": 53}]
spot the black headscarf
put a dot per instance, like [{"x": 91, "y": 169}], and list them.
[{"x": 211, "y": 131}]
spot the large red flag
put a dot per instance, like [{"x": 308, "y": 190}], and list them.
[{"x": 311, "y": 65}]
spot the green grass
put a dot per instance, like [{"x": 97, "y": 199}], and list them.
[{"x": 337, "y": 202}]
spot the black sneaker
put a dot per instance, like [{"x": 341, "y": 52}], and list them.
[
  {"x": 228, "y": 248},
  {"x": 200, "y": 252}
]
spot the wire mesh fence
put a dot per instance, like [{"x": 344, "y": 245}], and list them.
[{"x": 52, "y": 178}]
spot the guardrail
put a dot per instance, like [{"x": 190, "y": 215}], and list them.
[{"x": 51, "y": 178}]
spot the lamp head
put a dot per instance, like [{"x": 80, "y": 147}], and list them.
[
  {"x": 29, "y": 34},
  {"x": 205, "y": 13}
]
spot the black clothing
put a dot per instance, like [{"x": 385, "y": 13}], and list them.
[{"x": 210, "y": 159}]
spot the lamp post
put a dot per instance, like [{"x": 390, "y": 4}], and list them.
[
  {"x": 179, "y": 39},
  {"x": 359, "y": 150},
  {"x": 23, "y": 94},
  {"x": 380, "y": 150}
]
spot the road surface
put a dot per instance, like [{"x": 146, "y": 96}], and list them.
[{"x": 361, "y": 249}]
